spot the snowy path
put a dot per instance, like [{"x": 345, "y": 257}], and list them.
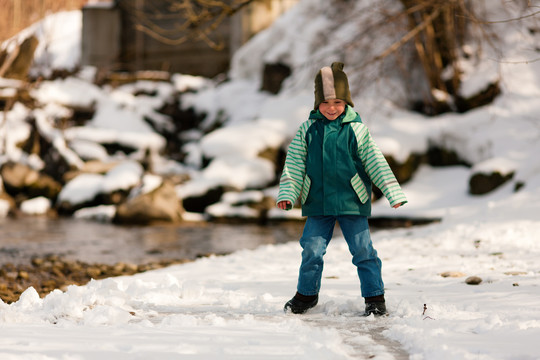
[{"x": 363, "y": 337}]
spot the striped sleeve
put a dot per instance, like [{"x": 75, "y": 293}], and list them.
[
  {"x": 292, "y": 177},
  {"x": 377, "y": 167}
]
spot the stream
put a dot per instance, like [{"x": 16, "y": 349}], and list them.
[{"x": 94, "y": 242}]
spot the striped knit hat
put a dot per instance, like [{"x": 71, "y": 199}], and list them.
[{"x": 331, "y": 83}]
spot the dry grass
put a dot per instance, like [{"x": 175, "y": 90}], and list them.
[{"x": 19, "y": 14}]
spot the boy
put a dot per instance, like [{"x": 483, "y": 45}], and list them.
[{"x": 331, "y": 164}]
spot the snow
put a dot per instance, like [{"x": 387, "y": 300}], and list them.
[
  {"x": 4, "y": 208},
  {"x": 85, "y": 187},
  {"x": 230, "y": 201},
  {"x": 36, "y": 206},
  {"x": 230, "y": 307},
  {"x": 99, "y": 4},
  {"x": 58, "y": 48}
]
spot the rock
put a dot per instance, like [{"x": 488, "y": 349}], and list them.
[
  {"x": 21, "y": 179},
  {"x": 403, "y": 171},
  {"x": 473, "y": 280},
  {"x": 37, "y": 261},
  {"x": 50, "y": 145},
  {"x": 58, "y": 272},
  {"x": 17, "y": 63},
  {"x": 17, "y": 176},
  {"x": 44, "y": 186},
  {"x": 515, "y": 273},
  {"x": 93, "y": 272},
  {"x": 483, "y": 97},
  {"x": 273, "y": 77},
  {"x": 440, "y": 156},
  {"x": 277, "y": 157},
  {"x": 198, "y": 203},
  {"x": 264, "y": 207},
  {"x": 159, "y": 205},
  {"x": 518, "y": 186},
  {"x": 454, "y": 274},
  {"x": 3, "y": 56},
  {"x": 481, "y": 183},
  {"x": 90, "y": 167}
]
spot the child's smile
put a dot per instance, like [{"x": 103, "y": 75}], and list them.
[{"x": 332, "y": 109}]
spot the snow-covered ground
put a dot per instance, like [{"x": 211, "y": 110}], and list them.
[{"x": 230, "y": 307}]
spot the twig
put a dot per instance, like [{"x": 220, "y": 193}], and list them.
[
  {"x": 475, "y": 19},
  {"x": 515, "y": 62},
  {"x": 424, "y": 312},
  {"x": 395, "y": 46}
]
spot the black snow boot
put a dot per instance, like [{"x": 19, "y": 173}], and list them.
[
  {"x": 375, "y": 305},
  {"x": 299, "y": 304}
]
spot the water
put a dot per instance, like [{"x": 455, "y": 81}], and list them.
[{"x": 93, "y": 242}]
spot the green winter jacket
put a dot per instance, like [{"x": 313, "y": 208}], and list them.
[{"x": 331, "y": 166}]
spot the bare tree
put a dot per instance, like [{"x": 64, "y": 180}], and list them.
[{"x": 439, "y": 29}]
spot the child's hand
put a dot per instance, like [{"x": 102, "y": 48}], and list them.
[
  {"x": 284, "y": 205},
  {"x": 397, "y": 205}
]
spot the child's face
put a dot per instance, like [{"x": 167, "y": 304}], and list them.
[{"x": 331, "y": 109}]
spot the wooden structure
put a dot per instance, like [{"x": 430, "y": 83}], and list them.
[{"x": 111, "y": 40}]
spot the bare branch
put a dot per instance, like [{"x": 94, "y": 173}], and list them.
[
  {"x": 516, "y": 62},
  {"x": 475, "y": 19},
  {"x": 407, "y": 37},
  {"x": 194, "y": 20}
]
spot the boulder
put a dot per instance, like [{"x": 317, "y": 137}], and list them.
[
  {"x": 277, "y": 157},
  {"x": 482, "y": 183},
  {"x": 17, "y": 63},
  {"x": 483, "y": 97},
  {"x": 198, "y": 203},
  {"x": 158, "y": 205},
  {"x": 438, "y": 155},
  {"x": 44, "y": 186},
  {"x": 403, "y": 171},
  {"x": 90, "y": 167},
  {"x": 273, "y": 77},
  {"x": 50, "y": 145},
  {"x": 17, "y": 176},
  {"x": 22, "y": 179}
]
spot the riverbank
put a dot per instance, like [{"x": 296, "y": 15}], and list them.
[
  {"x": 51, "y": 272},
  {"x": 48, "y": 253}
]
